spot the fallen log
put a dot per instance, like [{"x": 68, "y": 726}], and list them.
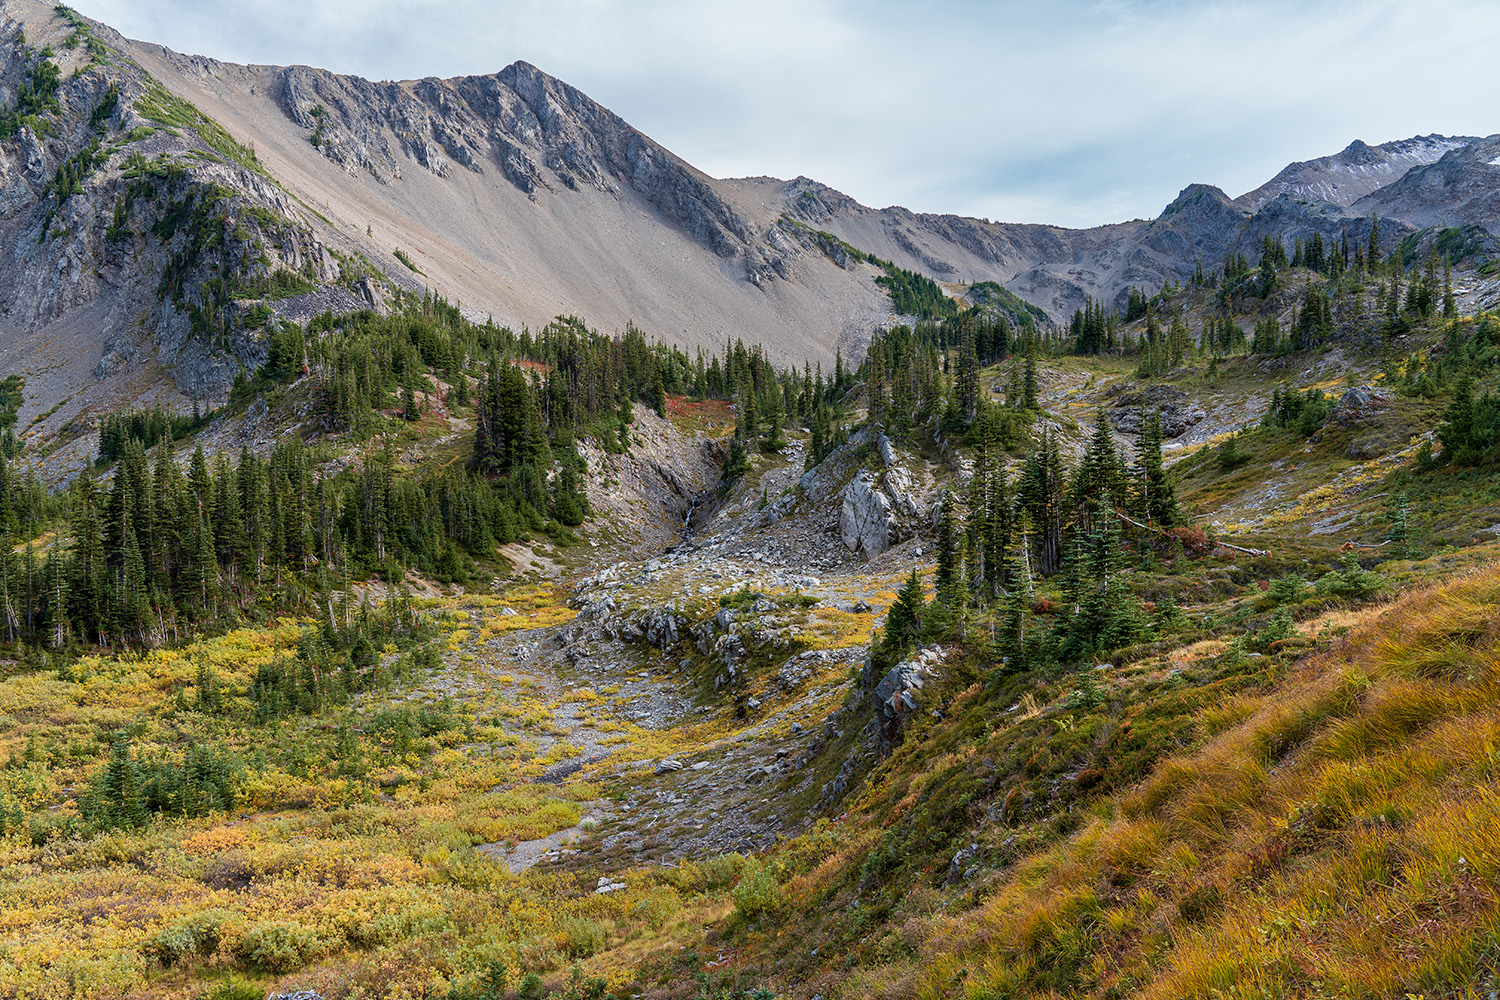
[{"x": 1162, "y": 532}]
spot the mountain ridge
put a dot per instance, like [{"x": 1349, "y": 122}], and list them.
[{"x": 520, "y": 197}]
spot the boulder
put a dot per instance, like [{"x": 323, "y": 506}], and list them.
[
  {"x": 866, "y": 522},
  {"x": 663, "y": 627},
  {"x": 1359, "y": 404},
  {"x": 965, "y": 865}
]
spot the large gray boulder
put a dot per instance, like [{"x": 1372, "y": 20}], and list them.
[
  {"x": 1360, "y": 404},
  {"x": 866, "y": 521}
]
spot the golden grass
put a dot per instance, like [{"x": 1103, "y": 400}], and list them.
[{"x": 1339, "y": 837}]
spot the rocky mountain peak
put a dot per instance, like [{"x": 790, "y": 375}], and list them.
[
  {"x": 1359, "y": 152},
  {"x": 1199, "y": 199},
  {"x": 1354, "y": 172}
]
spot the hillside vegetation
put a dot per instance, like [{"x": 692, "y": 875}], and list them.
[
  {"x": 1154, "y": 653},
  {"x": 408, "y": 775}
]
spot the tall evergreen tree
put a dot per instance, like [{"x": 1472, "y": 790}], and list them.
[
  {"x": 1155, "y": 496},
  {"x": 904, "y": 620}
]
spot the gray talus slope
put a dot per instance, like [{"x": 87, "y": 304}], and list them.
[{"x": 522, "y": 198}]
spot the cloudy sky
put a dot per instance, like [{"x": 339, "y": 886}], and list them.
[{"x": 1074, "y": 112}]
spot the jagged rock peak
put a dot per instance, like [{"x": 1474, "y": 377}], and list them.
[{"x": 1355, "y": 171}]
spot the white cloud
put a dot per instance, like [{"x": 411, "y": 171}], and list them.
[{"x": 1073, "y": 113}]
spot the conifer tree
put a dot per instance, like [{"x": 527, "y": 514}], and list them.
[
  {"x": 1156, "y": 498},
  {"x": 115, "y": 799},
  {"x": 1456, "y": 432},
  {"x": 1450, "y": 304},
  {"x": 568, "y": 507},
  {"x": 56, "y": 625},
  {"x": 1015, "y": 631},
  {"x": 88, "y": 584},
  {"x": 1099, "y": 482},
  {"x": 1029, "y": 379},
  {"x": 966, "y": 386},
  {"x": 1040, "y": 493},
  {"x": 773, "y": 441},
  {"x": 949, "y": 547},
  {"x": 904, "y": 620},
  {"x": 817, "y": 441}
]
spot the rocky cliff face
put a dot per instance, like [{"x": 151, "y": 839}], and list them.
[
  {"x": 1462, "y": 188},
  {"x": 148, "y": 243},
  {"x": 1433, "y": 181},
  {"x": 539, "y": 133},
  {"x": 1425, "y": 181},
  {"x": 137, "y": 239}
]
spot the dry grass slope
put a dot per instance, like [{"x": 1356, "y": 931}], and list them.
[{"x": 1343, "y": 840}]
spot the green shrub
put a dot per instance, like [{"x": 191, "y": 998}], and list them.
[
  {"x": 1281, "y": 626},
  {"x": 1353, "y": 581},
  {"x": 714, "y": 874},
  {"x": 582, "y": 938},
  {"x": 278, "y": 946},
  {"x": 234, "y": 988},
  {"x": 757, "y": 892},
  {"x": 530, "y": 987},
  {"x": 1229, "y": 456}
]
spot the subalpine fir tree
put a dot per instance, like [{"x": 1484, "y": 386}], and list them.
[
  {"x": 905, "y": 619},
  {"x": 54, "y": 622},
  {"x": 952, "y": 591},
  {"x": 772, "y": 441},
  {"x": 88, "y": 584},
  {"x": 627, "y": 417},
  {"x": 1039, "y": 491},
  {"x": 976, "y": 525},
  {"x": 1456, "y": 432},
  {"x": 736, "y": 464},
  {"x": 749, "y": 425},
  {"x": 1155, "y": 496},
  {"x": 966, "y": 385},
  {"x": 568, "y": 506},
  {"x": 1179, "y": 341},
  {"x": 1450, "y": 304},
  {"x": 999, "y": 531},
  {"x": 1099, "y": 482},
  {"x": 1015, "y": 631},
  {"x": 115, "y": 799},
  {"x": 1029, "y": 378},
  {"x": 818, "y": 440},
  {"x": 1075, "y": 575},
  {"x": 1013, "y": 390},
  {"x": 1400, "y": 533},
  {"x": 659, "y": 395}
]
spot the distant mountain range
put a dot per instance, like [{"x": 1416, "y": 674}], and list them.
[{"x": 217, "y": 193}]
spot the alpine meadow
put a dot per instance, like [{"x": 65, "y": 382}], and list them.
[{"x": 451, "y": 547}]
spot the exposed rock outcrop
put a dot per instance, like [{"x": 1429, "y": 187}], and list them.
[
  {"x": 1360, "y": 404},
  {"x": 1134, "y": 403},
  {"x": 898, "y": 694},
  {"x": 866, "y": 522}
]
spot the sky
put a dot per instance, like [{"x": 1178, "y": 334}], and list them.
[{"x": 1075, "y": 112}]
